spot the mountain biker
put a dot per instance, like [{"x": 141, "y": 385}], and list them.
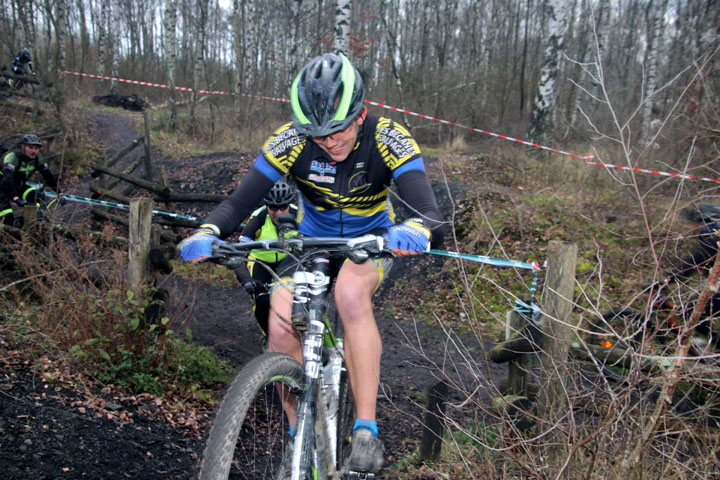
[
  {"x": 705, "y": 220},
  {"x": 18, "y": 166},
  {"x": 18, "y": 66},
  {"x": 262, "y": 225},
  {"x": 344, "y": 162}
]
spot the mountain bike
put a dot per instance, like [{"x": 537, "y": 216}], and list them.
[
  {"x": 45, "y": 202},
  {"x": 20, "y": 83},
  {"x": 250, "y": 433}
]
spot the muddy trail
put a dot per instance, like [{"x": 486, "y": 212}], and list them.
[{"x": 47, "y": 431}]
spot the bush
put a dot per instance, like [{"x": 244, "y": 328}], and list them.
[{"x": 72, "y": 297}]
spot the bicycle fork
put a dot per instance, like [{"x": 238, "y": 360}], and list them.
[{"x": 309, "y": 306}]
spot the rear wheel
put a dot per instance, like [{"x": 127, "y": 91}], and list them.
[{"x": 249, "y": 435}]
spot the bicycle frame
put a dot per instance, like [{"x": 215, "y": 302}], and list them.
[
  {"x": 308, "y": 318},
  {"x": 319, "y": 404}
]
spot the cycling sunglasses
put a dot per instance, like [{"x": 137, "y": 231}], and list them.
[{"x": 278, "y": 207}]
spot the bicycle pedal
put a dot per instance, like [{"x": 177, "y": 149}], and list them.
[{"x": 359, "y": 475}]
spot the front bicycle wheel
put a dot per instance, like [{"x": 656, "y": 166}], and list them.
[{"x": 249, "y": 435}]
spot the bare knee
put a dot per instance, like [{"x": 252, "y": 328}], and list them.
[
  {"x": 352, "y": 303},
  {"x": 281, "y": 336}
]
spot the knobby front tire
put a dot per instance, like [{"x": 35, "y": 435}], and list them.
[
  {"x": 346, "y": 420},
  {"x": 250, "y": 432}
]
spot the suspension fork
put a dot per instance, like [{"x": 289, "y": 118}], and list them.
[{"x": 309, "y": 306}]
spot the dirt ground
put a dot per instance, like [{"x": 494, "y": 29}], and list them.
[{"x": 48, "y": 432}]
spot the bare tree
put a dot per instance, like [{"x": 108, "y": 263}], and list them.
[
  {"x": 394, "y": 57},
  {"x": 343, "y": 9},
  {"x": 84, "y": 35},
  {"x": 24, "y": 12},
  {"x": 171, "y": 54},
  {"x": 544, "y": 104},
  {"x": 61, "y": 10},
  {"x": 200, "y": 25},
  {"x": 102, "y": 41},
  {"x": 655, "y": 40},
  {"x": 114, "y": 39}
]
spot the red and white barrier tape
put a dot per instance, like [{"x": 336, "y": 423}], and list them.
[
  {"x": 497, "y": 135},
  {"x": 586, "y": 158},
  {"x": 147, "y": 84},
  {"x": 656, "y": 172}
]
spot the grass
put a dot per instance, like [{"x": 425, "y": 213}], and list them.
[
  {"x": 208, "y": 272},
  {"x": 84, "y": 314}
]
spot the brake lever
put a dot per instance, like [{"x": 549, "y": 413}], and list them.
[{"x": 371, "y": 243}]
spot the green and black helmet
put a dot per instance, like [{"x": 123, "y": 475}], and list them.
[
  {"x": 326, "y": 96},
  {"x": 31, "y": 139}
]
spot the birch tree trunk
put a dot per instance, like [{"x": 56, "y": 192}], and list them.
[
  {"x": 114, "y": 39},
  {"x": 102, "y": 41},
  {"x": 656, "y": 31},
  {"x": 171, "y": 54},
  {"x": 343, "y": 9},
  {"x": 544, "y": 103}
]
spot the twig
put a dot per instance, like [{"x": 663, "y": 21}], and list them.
[{"x": 672, "y": 375}]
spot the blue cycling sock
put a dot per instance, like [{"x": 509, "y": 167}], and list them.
[
  {"x": 291, "y": 431},
  {"x": 369, "y": 424}
]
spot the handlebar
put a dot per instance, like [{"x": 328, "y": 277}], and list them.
[{"x": 358, "y": 249}]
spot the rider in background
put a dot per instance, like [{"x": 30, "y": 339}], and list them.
[
  {"x": 262, "y": 225},
  {"x": 705, "y": 220},
  {"x": 18, "y": 166},
  {"x": 18, "y": 66},
  {"x": 344, "y": 162}
]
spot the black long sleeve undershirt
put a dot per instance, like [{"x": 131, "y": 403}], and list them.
[
  {"x": 247, "y": 196},
  {"x": 414, "y": 188}
]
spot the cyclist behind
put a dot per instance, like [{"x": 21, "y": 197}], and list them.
[
  {"x": 18, "y": 66},
  {"x": 705, "y": 220},
  {"x": 18, "y": 166},
  {"x": 344, "y": 162},
  {"x": 262, "y": 225}
]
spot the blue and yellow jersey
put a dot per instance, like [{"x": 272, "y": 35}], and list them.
[{"x": 345, "y": 198}]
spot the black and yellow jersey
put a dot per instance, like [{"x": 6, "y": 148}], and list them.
[{"x": 347, "y": 198}]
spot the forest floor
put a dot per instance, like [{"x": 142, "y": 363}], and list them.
[{"x": 55, "y": 422}]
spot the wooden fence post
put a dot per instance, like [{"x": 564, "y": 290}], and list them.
[
  {"x": 431, "y": 444},
  {"x": 557, "y": 328},
  {"x": 30, "y": 213},
  {"x": 139, "y": 241}
]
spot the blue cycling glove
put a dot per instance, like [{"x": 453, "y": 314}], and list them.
[
  {"x": 244, "y": 239},
  {"x": 198, "y": 246},
  {"x": 410, "y": 235}
]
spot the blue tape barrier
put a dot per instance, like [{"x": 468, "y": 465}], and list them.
[{"x": 103, "y": 203}]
